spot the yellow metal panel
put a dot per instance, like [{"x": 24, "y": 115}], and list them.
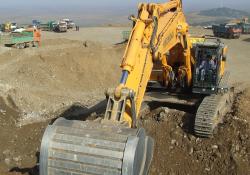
[{"x": 194, "y": 40}]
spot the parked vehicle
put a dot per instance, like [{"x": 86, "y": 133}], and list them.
[
  {"x": 70, "y": 23},
  {"x": 61, "y": 27},
  {"x": 19, "y": 30},
  {"x": 21, "y": 40},
  {"x": 230, "y": 31},
  {"x": 245, "y": 28},
  {"x": 6, "y": 27},
  {"x": 13, "y": 26},
  {"x": 208, "y": 27},
  {"x": 36, "y": 23},
  {"x": 49, "y": 26}
]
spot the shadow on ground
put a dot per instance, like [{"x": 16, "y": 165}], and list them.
[
  {"x": 79, "y": 112},
  {"x": 30, "y": 171},
  {"x": 247, "y": 40},
  {"x": 75, "y": 112},
  {"x": 82, "y": 113}
]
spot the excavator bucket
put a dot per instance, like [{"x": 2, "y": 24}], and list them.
[{"x": 94, "y": 147}]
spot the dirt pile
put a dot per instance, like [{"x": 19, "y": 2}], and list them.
[
  {"x": 39, "y": 82},
  {"x": 177, "y": 151}
]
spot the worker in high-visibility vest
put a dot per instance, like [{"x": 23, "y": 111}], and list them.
[{"x": 37, "y": 36}]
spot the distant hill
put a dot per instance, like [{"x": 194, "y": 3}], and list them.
[
  {"x": 224, "y": 12},
  {"x": 215, "y": 16}
]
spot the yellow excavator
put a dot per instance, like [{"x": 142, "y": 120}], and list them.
[
  {"x": 6, "y": 27},
  {"x": 161, "y": 60}
]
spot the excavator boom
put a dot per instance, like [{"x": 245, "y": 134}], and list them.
[{"x": 158, "y": 28}]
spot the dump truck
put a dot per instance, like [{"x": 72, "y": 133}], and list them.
[
  {"x": 49, "y": 26},
  {"x": 245, "y": 27},
  {"x": 20, "y": 40},
  {"x": 230, "y": 31},
  {"x": 243, "y": 24}
]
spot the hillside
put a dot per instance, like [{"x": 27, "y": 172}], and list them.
[
  {"x": 215, "y": 16},
  {"x": 224, "y": 12}
]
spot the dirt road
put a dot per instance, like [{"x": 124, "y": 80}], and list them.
[
  {"x": 105, "y": 35},
  {"x": 75, "y": 68}
]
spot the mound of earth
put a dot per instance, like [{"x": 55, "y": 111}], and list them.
[{"x": 40, "y": 81}]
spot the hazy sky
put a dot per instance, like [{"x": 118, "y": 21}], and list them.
[
  {"x": 189, "y": 5},
  {"x": 92, "y": 12}
]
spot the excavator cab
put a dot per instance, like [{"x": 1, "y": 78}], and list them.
[{"x": 208, "y": 69}]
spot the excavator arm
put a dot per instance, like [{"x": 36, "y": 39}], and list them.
[{"x": 157, "y": 30}]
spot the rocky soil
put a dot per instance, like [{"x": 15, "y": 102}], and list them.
[{"x": 178, "y": 151}]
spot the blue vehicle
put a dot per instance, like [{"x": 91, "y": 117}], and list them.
[{"x": 36, "y": 22}]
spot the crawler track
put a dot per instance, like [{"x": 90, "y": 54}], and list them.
[{"x": 212, "y": 109}]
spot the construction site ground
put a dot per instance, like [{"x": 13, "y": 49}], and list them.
[{"x": 68, "y": 75}]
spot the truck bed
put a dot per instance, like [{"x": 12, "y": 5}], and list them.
[{"x": 15, "y": 38}]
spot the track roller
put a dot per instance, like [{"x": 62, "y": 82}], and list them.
[{"x": 94, "y": 148}]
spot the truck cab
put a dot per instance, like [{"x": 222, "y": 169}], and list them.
[
  {"x": 61, "y": 27},
  {"x": 70, "y": 23}
]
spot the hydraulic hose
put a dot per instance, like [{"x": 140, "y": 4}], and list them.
[{"x": 152, "y": 41}]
